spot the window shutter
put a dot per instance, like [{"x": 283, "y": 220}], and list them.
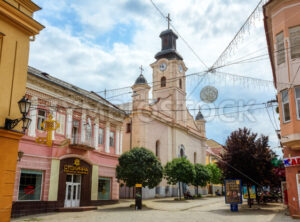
[
  {"x": 295, "y": 42},
  {"x": 280, "y": 48}
]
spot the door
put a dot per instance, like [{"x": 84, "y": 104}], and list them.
[
  {"x": 298, "y": 187},
  {"x": 73, "y": 185}
]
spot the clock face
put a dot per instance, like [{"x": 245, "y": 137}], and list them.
[
  {"x": 180, "y": 68},
  {"x": 163, "y": 66}
]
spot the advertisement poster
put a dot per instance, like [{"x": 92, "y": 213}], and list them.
[
  {"x": 252, "y": 192},
  {"x": 233, "y": 192}
]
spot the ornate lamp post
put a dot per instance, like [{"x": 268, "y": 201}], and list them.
[{"x": 24, "y": 106}]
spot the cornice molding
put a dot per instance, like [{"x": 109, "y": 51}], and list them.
[{"x": 27, "y": 23}]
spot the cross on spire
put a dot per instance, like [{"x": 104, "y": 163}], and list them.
[
  {"x": 169, "y": 20},
  {"x": 141, "y": 68}
]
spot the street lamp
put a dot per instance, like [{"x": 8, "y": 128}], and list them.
[{"x": 24, "y": 106}]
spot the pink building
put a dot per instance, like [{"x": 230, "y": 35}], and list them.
[{"x": 79, "y": 168}]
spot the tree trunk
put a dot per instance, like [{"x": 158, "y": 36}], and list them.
[
  {"x": 179, "y": 191},
  {"x": 249, "y": 200},
  {"x": 257, "y": 197}
]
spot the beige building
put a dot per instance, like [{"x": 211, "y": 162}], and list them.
[{"x": 163, "y": 124}]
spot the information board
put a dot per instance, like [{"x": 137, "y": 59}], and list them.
[{"x": 233, "y": 192}]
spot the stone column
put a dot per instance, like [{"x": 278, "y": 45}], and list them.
[
  {"x": 96, "y": 132},
  {"x": 107, "y": 132},
  {"x": 117, "y": 146},
  {"x": 69, "y": 124},
  {"x": 82, "y": 130},
  {"x": 33, "y": 117},
  {"x": 121, "y": 141}
]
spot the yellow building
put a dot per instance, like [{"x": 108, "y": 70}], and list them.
[
  {"x": 17, "y": 28},
  {"x": 214, "y": 149}
]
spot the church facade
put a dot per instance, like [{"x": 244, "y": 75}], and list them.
[{"x": 164, "y": 124}]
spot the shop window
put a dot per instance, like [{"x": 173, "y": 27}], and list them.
[
  {"x": 30, "y": 185},
  {"x": 61, "y": 119},
  {"x": 112, "y": 139},
  {"x": 297, "y": 94},
  {"x": 100, "y": 139},
  {"x": 41, "y": 118},
  {"x": 285, "y": 105},
  {"x": 295, "y": 42},
  {"x": 104, "y": 188},
  {"x": 163, "y": 81},
  {"x": 128, "y": 127},
  {"x": 280, "y": 48}
]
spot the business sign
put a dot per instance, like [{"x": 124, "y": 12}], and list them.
[
  {"x": 252, "y": 192},
  {"x": 293, "y": 161},
  {"x": 76, "y": 168},
  {"x": 233, "y": 192}
]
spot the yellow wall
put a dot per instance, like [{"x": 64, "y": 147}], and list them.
[
  {"x": 54, "y": 177},
  {"x": 16, "y": 27}
]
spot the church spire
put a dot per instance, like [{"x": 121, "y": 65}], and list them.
[{"x": 168, "y": 44}]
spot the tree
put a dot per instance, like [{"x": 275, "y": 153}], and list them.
[
  {"x": 215, "y": 173},
  {"x": 201, "y": 176},
  {"x": 247, "y": 157},
  {"x": 179, "y": 170},
  {"x": 139, "y": 166}
]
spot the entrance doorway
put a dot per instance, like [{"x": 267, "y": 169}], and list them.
[{"x": 73, "y": 185}]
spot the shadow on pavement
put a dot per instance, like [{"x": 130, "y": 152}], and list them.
[{"x": 115, "y": 209}]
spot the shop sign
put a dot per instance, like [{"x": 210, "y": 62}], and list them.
[
  {"x": 233, "y": 192},
  {"x": 293, "y": 161},
  {"x": 76, "y": 168}
]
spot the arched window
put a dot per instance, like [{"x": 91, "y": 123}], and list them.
[
  {"x": 181, "y": 153},
  {"x": 157, "y": 148},
  {"x": 195, "y": 157},
  {"x": 163, "y": 81},
  {"x": 180, "y": 83}
]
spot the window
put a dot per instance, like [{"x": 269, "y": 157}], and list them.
[
  {"x": 128, "y": 127},
  {"x": 295, "y": 42},
  {"x": 30, "y": 185},
  {"x": 75, "y": 132},
  {"x": 100, "y": 140},
  {"x": 195, "y": 157},
  {"x": 89, "y": 129},
  {"x": 111, "y": 139},
  {"x": 163, "y": 81},
  {"x": 61, "y": 118},
  {"x": 157, "y": 148},
  {"x": 285, "y": 105},
  {"x": 104, "y": 188},
  {"x": 41, "y": 118},
  {"x": 297, "y": 94},
  {"x": 280, "y": 48},
  {"x": 180, "y": 83}
]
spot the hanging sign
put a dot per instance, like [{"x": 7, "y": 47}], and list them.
[
  {"x": 293, "y": 161},
  {"x": 48, "y": 125}
]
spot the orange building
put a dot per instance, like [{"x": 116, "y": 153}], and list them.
[
  {"x": 16, "y": 28},
  {"x": 282, "y": 28}
]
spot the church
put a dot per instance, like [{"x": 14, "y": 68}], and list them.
[{"x": 163, "y": 123}]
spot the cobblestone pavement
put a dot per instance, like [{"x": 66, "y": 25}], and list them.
[{"x": 203, "y": 210}]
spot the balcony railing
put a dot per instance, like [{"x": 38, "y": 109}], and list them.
[{"x": 86, "y": 144}]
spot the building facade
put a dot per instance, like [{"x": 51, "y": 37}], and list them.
[
  {"x": 17, "y": 28},
  {"x": 79, "y": 168},
  {"x": 282, "y": 27},
  {"x": 164, "y": 124}
]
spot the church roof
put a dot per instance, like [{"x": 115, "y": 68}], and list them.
[
  {"x": 199, "y": 116},
  {"x": 140, "y": 80}
]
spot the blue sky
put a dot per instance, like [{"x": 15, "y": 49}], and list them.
[{"x": 99, "y": 44}]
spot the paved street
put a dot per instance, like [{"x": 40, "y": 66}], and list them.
[{"x": 204, "y": 210}]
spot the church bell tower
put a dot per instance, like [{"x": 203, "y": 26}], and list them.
[{"x": 169, "y": 77}]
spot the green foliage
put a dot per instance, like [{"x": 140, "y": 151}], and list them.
[
  {"x": 139, "y": 166},
  {"x": 202, "y": 176},
  {"x": 215, "y": 173},
  {"x": 179, "y": 170},
  {"x": 247, "y": 157}
]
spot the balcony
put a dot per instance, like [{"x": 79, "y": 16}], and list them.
[{"x": 77, "y": 143}]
